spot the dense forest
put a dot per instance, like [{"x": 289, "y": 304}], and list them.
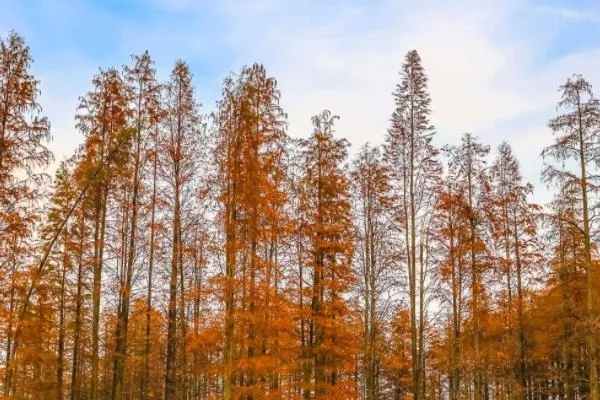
[{"x": 182, "y": 254}]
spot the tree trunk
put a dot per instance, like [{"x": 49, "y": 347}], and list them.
[{"x": 146, "y": 371}]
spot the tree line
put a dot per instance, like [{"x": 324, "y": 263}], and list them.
[{"x": 181, "y": 254}]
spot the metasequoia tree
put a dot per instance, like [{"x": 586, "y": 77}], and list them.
[
  {"x": 515, "y": 230},
  {"x": 152, "y": 158},
  {"x": 577, "y": 138},
  {"x": 64, "y": 194},
  {"x": 81, "y": 236},
  {"x": 468, "y": 169},
  {"x": 328, "y": 227},
  {"x": 558, "y": 315},
  {"x": 250, "y": 149},
  {"x": 102, "y": 117},
  {"x": 23, "y": 136},
  {"x": 450, "y": 235},
  {"x": 142, "y": 92},
  {"x": 372, "y": 205},
  {"x": 181, "y": 143},
  {"x": 415, "y": 173}
]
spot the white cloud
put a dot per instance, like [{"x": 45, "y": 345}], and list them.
[
  {"x": 570, "y": 13},
  {"x": 483, "y": 79},
  {"x": 485, "y": 71}
]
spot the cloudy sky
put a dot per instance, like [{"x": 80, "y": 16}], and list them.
[{"x": 494, "y": 65}]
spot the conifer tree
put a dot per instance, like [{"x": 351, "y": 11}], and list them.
[
  {"x": 450, "y": 233},
  {"x": 515, "y": 227},
  {"x": 576, "y": 138},
  {"x": 102, "y": 117},
  {"x": 143, "y": 94},
  {"x": 250, "y": 149},
  {"x": 24, "y": 133},
  {"x": 415, "y": 171},
  {"x": 182, "y": 141},
  {"x": 328, "y": 227},
  {"x": 467, "y": 166},
  {"x": 372, "y": 200}
]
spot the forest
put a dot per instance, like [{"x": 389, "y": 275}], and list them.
[{"x": 186, "y": 254}]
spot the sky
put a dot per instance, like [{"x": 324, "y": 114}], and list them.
[{"x": 494, "y": 66}]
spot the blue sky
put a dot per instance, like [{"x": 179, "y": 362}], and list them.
[{"x": 494, "y": 65}]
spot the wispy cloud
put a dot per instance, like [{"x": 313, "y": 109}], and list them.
[{"x": 570, "y": 13}]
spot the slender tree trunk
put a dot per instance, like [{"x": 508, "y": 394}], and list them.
[
  {"x": 146, "y": 371},
  {"x": 421, "y": 354},
  {"x": 99, "y": 232},
  {"x": 61, "y": 330},
  {"x": 78, "y": 305},
  {"x": 317, "y": 334},
  {"x": 230, "y": 260},
  {"x": 182, "y": 305},
  {"x": 170, "y": 383},
  {"x": 521, "y": 331},
  {"x": 475, "y": 283},
  {"x": 304, "y": 337},
  {"x": 592, "y": 358},
  {"x": 230, "y": 263},
  {"x": 171, "y": 374},
  {"x": 456, "y": 314},
  {"x": 197, "y": 287},
  {"x": 9, "y": 367},
  {"x": 412, "y": 260},
  {"x": 125, "y": 292}
]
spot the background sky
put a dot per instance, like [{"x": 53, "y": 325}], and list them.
[{"x": 494, "y": 66}]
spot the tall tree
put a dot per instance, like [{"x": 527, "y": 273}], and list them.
[
  {"x": 103, "y": 115},
  {"x": 559, "y": 310},
  {"x": 450, "y": 232},
  {"x": 467, "y": 164},
  {"x": 415, "y": 173},
  {"x": 153, "y": 155},
  {"x": 23, "y": 137},
  {"x": 577, "y": 138},
  {"x": 372, "y": 205},
  {"x": 182, "y": 144},
  {"x": 63, "y": 195},
  {"x": 515, "y": 228},
  {"x": 328, "y": 227},
  {"x": 251, "y": 143},
  {"x": 81, "y": 235},
  {"x": 143, "y": 94}
]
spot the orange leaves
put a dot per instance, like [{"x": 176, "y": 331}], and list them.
[{"x": 324, "y": 207}]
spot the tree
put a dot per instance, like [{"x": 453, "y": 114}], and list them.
[
  {"x": 251, "y": 143},
  {"x": 415, "y": 173},
  {"x": 576, "y": 137},
  {"x": 515, "y": 228},
  {"x": 328, "y": 227},
  {"x": 450, "y": 233},
  {"x": 396, "y": 358},
  {"x": 467, "y": 166},
  {"x": 64, "y": 195},
  {"x": 558, "y": 312},
  {"x": 372, "y": 206},
  {"x": 102, "y": 118},
  {"x": 81, "y": 235},
  {"x": 153, "y": 155},
  {"x": 182, "y": 145},
  {"x": 143, "y": 94},
  {"x": 23, "y": 137}
]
